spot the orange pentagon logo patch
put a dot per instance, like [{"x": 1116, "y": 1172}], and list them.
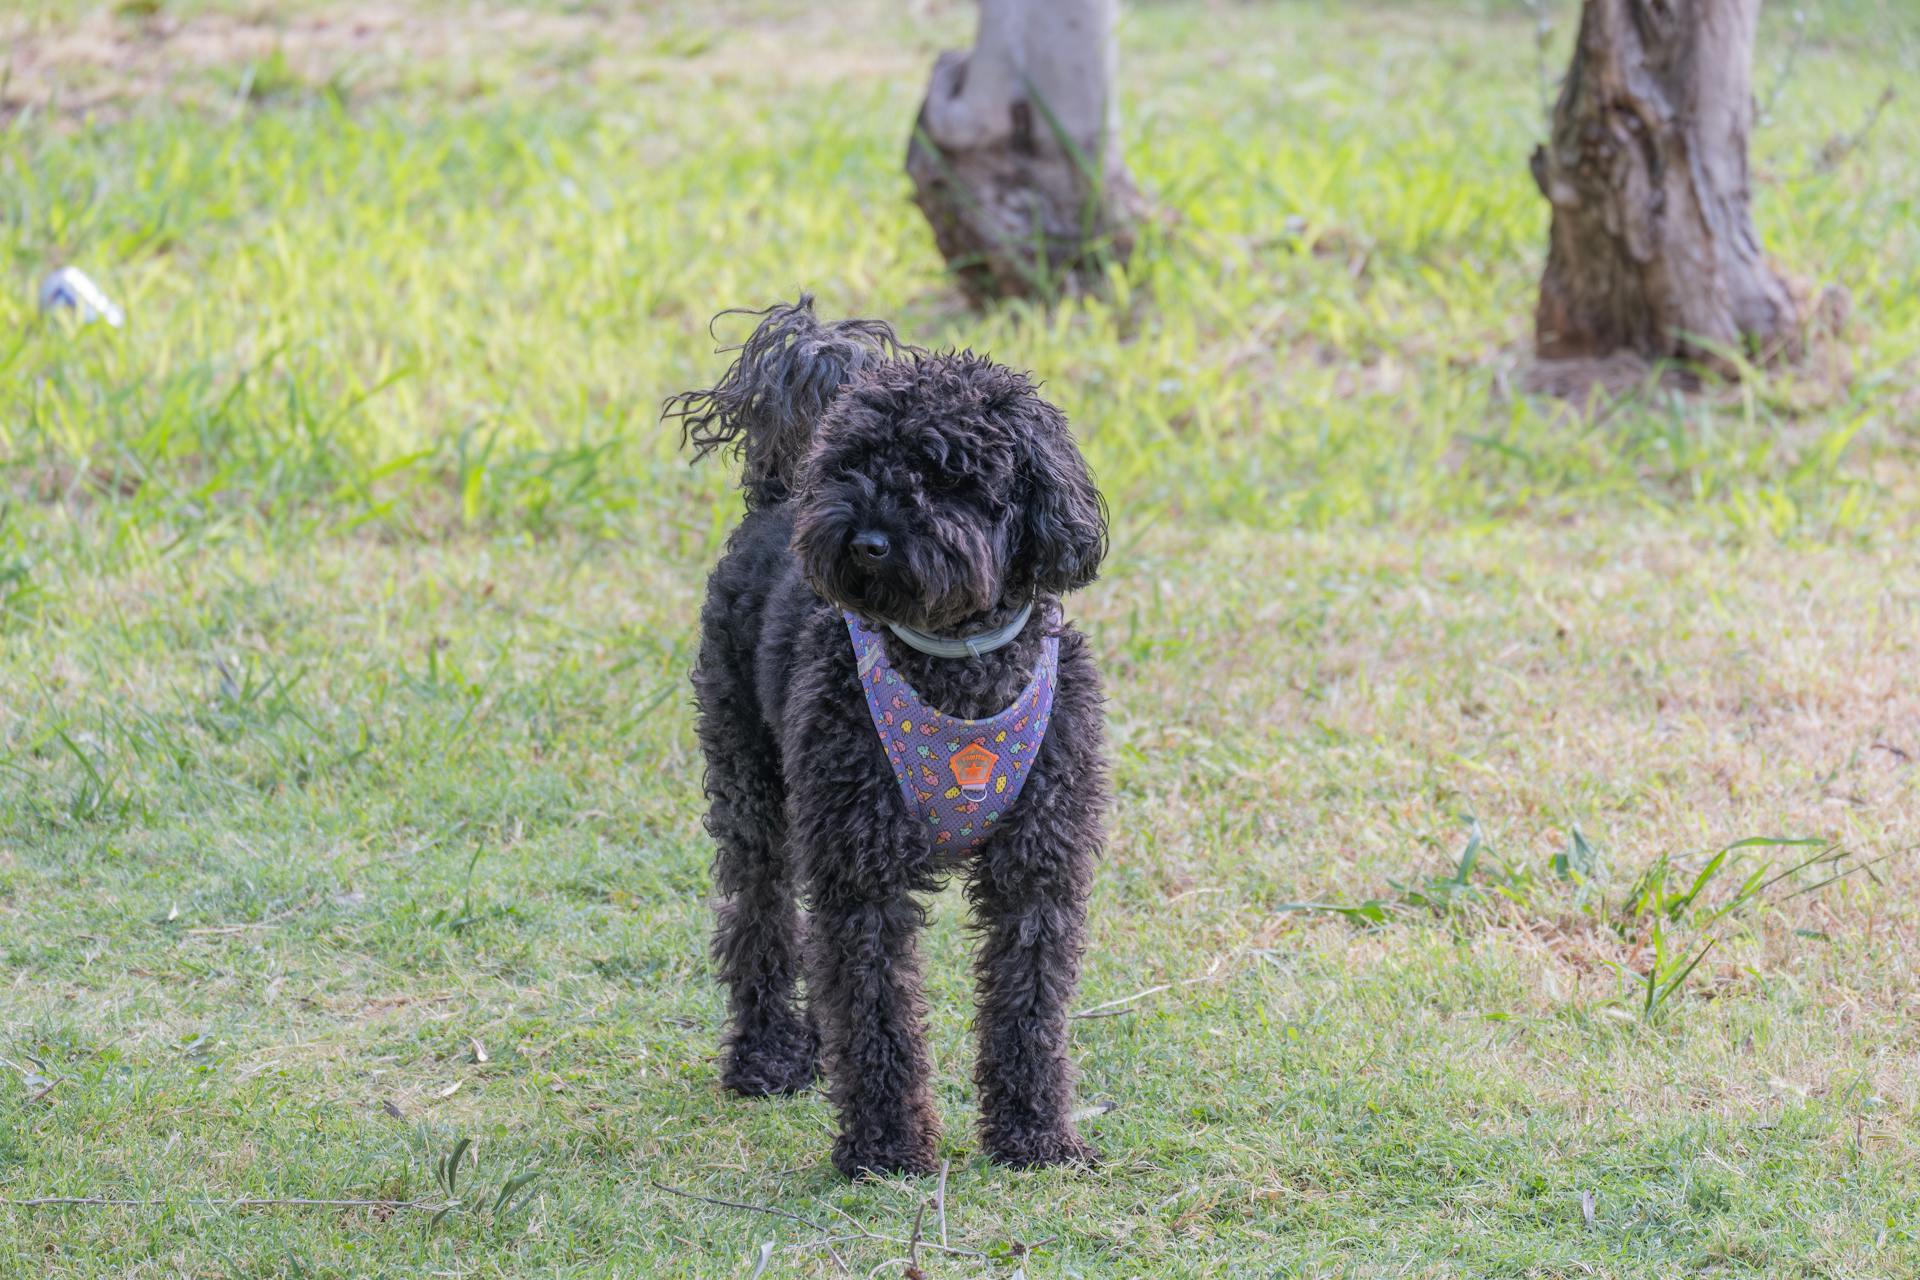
[{"x": 972, "y": 767}]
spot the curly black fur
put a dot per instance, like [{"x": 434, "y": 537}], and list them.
[
  {"x": 765, "y": 408},
  {"x": 984, "y": 503}
]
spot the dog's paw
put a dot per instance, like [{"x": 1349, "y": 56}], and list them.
[
  {"x": 883, "y": 1161},
  {"x": 1040, "y": 1148},
  {"x": 766, "y": 1065},
  {"x": 765, "y": 1079}
]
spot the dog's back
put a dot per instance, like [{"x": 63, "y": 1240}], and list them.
[{"x": 756, "y": 600}]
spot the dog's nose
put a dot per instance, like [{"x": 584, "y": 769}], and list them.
[{"x": 871, "y": 545}]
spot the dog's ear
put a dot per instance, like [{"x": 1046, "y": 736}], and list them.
[{"x": 1062, "y": 518}]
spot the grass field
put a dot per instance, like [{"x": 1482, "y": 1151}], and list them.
[{"x": 349, "y": 814}]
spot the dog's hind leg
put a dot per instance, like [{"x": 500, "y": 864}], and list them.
[
  {"x": 770, "y": 1045},
  {"x": 1028, "y": 887}
]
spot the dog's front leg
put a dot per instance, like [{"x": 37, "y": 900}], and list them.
[
  {"x": 864, "y": 862},
  {"x": 866, "y": 985},
  {"x": 1028, "y": 887}
]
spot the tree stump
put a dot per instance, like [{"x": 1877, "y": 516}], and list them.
[
  {"x": 1653, "y": 248},
  {"x": 1015, "y": 157}
]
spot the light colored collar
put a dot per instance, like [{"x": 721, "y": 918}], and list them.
[{"x": 976, "y": 645}]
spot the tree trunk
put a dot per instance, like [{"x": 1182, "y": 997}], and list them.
[
  {"x": 1653, "y": 249},
  {"x": 1015, "y": 157}
]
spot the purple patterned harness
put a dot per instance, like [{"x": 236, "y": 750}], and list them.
[{"x": 959, "y": 776}]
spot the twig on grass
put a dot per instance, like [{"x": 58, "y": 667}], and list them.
[
  {"x": 827, "y": 1239},
  {"x": 246, "y": 926},
  {"x": 264, "y": 1202},
  {"x": 875, "y": 1236},
  {"x": 913, "y": 1241},
  {"x": 825, "y": 1232},
  {"x": 37, "y": 1085},
  {"x": 741, "y": 1204},
  {"x": 940, "y": 1200},
  {"x": 1114, "y": 1009}
]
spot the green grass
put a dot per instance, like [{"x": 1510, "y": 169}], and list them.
[{"x": 347, "y": 598}]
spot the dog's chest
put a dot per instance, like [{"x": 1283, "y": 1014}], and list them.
[{"x": 960, "y": 776}]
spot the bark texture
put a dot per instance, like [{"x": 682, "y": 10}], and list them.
[
  {"x": 1653, "y": 247},
  {"x": 1015, "y": 157}
]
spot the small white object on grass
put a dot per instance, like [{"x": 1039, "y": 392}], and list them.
[{"x": 72, "y": 289}]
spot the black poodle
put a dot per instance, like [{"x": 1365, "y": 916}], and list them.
[{"x": 888, "y": 694}]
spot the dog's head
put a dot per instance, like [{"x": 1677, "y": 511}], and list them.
[{"x": 940, "y": 486}]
